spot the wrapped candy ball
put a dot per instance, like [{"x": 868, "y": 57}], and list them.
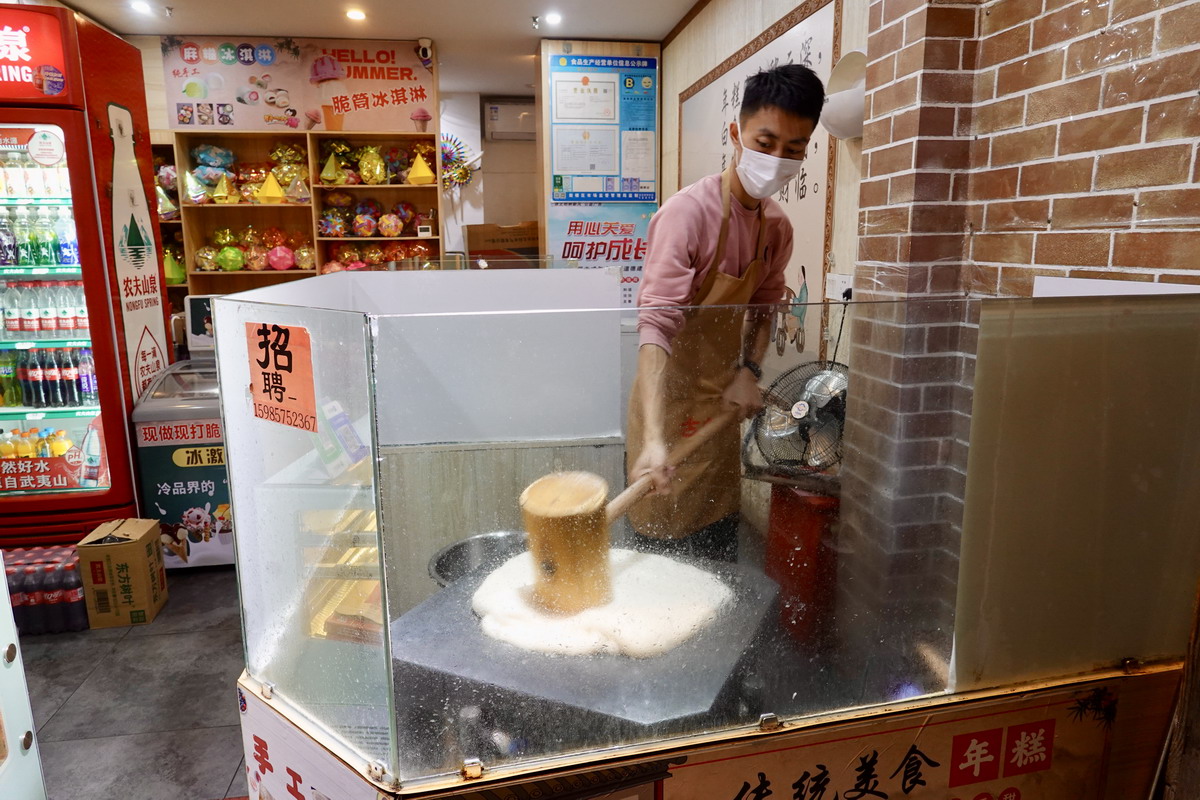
[
  {"x": 195, "y": 190},
  {"x": 273, "y": 237},
  {"x": 332, "y": 266},
  {"x": 256, "y": 257},
  {"x": 249, "y": 235},
  {"x": 231, "y": 258},
  {"x": 371, "y": 165},
  {"x": 286, "y": 153},
  {"x": 372, "y": 254},
  {"x": 223, "y": 237},
  {"x": 352, "y": 177},
  {"x": 206, "y": 259},
  {"x": 356, "y": 265},
  {"x": 331, "y": 225},
  {"x": 395, "y": 251},
  {"x": 391, "y": 226},
  {"x": 249, "y": 192},
  {"x": 212, "y": 156},
  {"x": 297, "y": 239},
  {"x": 210, "y": 176},
  {"x": 306, "y": 258},
  {"x": 346, "y": 252},
  {"x": 339, "y": 199},
  {"x": 167, "y": 176},
  {"x": 250, "y": 172},
  {"x": 370, "y": 207},
  {"x": 396, "y": 161},
  {"x": 339, "y": 148},
  {"x": 364, "y": 225},
  {"x": 407, "y": 213},
  {"x": 419, "y": 251},
  {"x": 281, "y": 257}
]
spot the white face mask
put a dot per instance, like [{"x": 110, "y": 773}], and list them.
[{"x": 763, "y": 175}]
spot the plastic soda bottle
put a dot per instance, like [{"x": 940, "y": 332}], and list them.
[
  {"x": 53, "y": 380},
  {"x": 45, "y": 237},
  {"x": 10, "y": 391},
  {"x": 8, "y": 243},
  {"x": 52, "y": 597},
  {"x": 75, "y": 609},
  {"x": 23, "y": 233},
  {"x": 35, "y": 610},
  {"x": 68, "y": 241},
  {"x": 16, "y": 594},
  {"x": 24, "y": 446},
  {"x": 8, "y": 447},
  {"x": 93, "y": 457},
  {"x": 60, "y": 445},
  {"x": 69, "y": 369},
  {"x": 89, "y": 388}
]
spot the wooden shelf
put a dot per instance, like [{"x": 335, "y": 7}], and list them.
[
  {"x": 245, "y": 205},
  {"x": 357, "y": 186},
  {"x": 211, "y": 272},
  {"x": 162, "y": 221},
  {"x": 377, "y": 238},
  {"x": 300, "y": 218}
]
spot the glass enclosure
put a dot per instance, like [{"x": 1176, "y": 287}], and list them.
[{"x": 944, "y": 494}]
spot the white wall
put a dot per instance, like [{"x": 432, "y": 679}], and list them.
[
  {"x": 512, "y": 182},
  {"x": 461, "y": 117}
]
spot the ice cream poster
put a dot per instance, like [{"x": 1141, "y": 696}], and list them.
[{"x": 263, "y": 84}]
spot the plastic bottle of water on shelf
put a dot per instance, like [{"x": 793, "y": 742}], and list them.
[
  {"x": 45, "y": 238},
  {"x": 12, "y": 312},
  {"x": 92, "y": 448},
  {"x": 35, "y": 183},
  {"x": 68, "y": 241},
  {"x": 8, "y": 243},
  {"x": 31, "y": 323},
  {"x": 14, "y": 175},
  {"x": 23, "y": 233},
  {"x": 89, "y": 389},
  {"x": 47, "y": 311},
  {"x": 82, "y": 326},
  {"x": 64, "y": 302}
]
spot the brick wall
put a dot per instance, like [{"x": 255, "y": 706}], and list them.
[
  {"x": 1004, "y": 140},
  {"x": 1084, "y": 157}
]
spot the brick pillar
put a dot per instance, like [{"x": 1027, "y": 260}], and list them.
[{"x": 911, "y": 354}]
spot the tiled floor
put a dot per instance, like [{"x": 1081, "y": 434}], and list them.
[{"x": 149, "y": 712}]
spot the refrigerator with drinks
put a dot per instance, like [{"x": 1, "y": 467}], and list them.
[{"x": 81, "y": 286}]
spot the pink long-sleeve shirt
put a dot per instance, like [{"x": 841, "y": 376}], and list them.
[{"x": 680, "y": 248}]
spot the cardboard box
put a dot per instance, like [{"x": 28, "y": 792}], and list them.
[
  {"x": 124, "y": 581},
  {"x": 503, "y": 246}
]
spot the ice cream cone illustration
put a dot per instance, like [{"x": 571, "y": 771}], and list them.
[
  {"x": 327, "y": 74},
  {"x": 180, "y": 549},
  {"x": 420, "y": 118}
]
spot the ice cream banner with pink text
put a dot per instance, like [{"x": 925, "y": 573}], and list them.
[{"x": 226, "y": 83}]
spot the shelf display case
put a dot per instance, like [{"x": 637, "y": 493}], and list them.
[{"x": 384, "y": 428}]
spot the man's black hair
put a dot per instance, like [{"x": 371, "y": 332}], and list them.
[{"x": 794, "y": 88}]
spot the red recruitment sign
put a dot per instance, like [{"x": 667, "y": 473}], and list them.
[
  {"x": 281, "y": 375},
  {"x": 32, "y": 62}
]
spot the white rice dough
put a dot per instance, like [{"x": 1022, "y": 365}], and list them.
[{"x": 657, "y": 604}]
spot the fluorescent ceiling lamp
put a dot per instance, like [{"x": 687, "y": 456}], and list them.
[
  {"x": 141, "y": 6},
  {"x": 553, "y": 18}
]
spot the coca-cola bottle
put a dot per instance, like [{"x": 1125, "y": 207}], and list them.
[
  {"x": 35, "y": 608},
  {"x": 69, "y": 368},
  {"x": 76, "y": 609},
  {"x": 53, "y": 379},
  {"x": 36, "y": 380},
  {"x": 16, "y": 595},
  {"x": 52, "y": 597}
]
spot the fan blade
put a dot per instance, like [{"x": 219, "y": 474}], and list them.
[{"x": 824, "y": 438}]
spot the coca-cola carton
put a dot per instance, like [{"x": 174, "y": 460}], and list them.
[{"x": 124, "y": 580}]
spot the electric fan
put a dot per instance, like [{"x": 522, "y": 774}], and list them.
[{"x": 804, "y": 411}]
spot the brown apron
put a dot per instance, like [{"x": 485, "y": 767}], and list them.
[{"x": 706, "y": 488}]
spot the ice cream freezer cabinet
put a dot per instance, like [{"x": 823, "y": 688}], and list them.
[{"x": 375, "y": 419}]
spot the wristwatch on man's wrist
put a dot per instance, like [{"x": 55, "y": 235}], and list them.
[{"x": 754, "y": 368}]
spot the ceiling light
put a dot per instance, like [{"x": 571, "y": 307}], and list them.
[
  {"x": 141, "y": 6},
  {"x": 553, "y": 18},
  {"x": 356, "y": 14}
]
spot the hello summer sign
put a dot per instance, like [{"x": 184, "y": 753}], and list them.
[{"x": 259, "y": 84}]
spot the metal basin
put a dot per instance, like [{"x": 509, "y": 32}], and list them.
[{"x": 482, "y": 550}]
